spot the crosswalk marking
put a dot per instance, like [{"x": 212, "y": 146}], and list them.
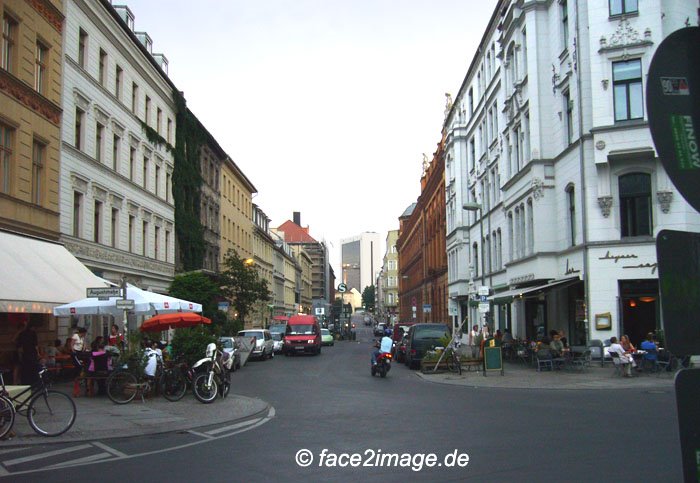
[
  {"x": 233, "y": 426},
  {"x": 86, "y": 459},
  {"x": 39, "y": 456}
]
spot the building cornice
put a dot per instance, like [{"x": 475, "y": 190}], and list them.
[
  {"x": 50, "y": 13},
  {"x": 30, "y": 98}
]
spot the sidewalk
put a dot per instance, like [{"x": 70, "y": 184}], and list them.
[
  {"x": 520, "y": 376},
  {"x": 98, "y": 417}
]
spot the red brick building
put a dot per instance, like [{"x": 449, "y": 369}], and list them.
[{"x": 422, "y": 249}]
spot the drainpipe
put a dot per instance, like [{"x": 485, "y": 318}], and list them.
[{"x": 582, "y": 176}]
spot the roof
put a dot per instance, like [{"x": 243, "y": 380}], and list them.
[
  {"x": 294, "y": 233},
  {"x": 409, "y": 210}
]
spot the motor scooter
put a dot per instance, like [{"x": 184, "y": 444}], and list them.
[{"x": 383, "y": 365}]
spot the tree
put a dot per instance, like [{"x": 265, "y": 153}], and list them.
[
  {"x": 197, "y": 287},
  {"x": 368, "y": 300},
  {"x": 241, "y": 284}
]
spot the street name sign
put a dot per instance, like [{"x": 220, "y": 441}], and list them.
[
  {"x": 104, "y": 292},
  {"x": 125, "y": 304}
]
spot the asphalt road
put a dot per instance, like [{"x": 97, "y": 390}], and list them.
[{"x": 331, "y": 402}]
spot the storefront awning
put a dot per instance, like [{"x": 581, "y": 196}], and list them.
[
  {"x": 38, "y": 275},
  {"x": 509, "y": 295}
]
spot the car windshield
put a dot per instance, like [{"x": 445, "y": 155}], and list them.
[
  {"x": 277, "y": 336},
  {"x": 277, "y": 328},
  {"x": 227, "y": 343},
  {"x": 325, "y": 332},
  {"x": 251, "y": 333},
  {"x": 430, "y": 332},
  {"x": 301, "y": 329}
]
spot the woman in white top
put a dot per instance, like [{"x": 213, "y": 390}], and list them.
[{"x": 625, "y": 359}]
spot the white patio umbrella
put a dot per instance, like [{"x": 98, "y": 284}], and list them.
[{"x": 145, "y": 303}]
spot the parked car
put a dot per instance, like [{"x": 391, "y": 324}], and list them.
[
  {"x": 231, "y": 345},
  {"x": 421, "y": 338},
  {"x": 400, "y": 349},
  {"x": 326, "y": 337},
  {"x": 379, "y": 329},
  {"x": 277, "y": 341},
  {"x": 263, "y": 343},
  {"x": 303, "y": 335}
]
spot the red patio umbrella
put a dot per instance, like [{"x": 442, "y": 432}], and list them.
[{"x": 175, "y": 320}]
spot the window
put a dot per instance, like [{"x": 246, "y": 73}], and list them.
[
  {"x": 144, "y": 239},
  {"x": 564, "y": 24},
  {"x": 79, "y": 121},
  {"x": 145, "y": 173},
  {"x": 471, "y": 101},
  {"x": 132, "y": 161},
  {"x": 147, "y": 115},
  {"x": 392, "y": 265},
  {"x": 169, "y": 131},
  {"x": 156, "y": 242},
  {"x": 132, "y": 227},
  {"x": 511, "y": 239},
  {"x": 530, "y": 227},
  {"x": 99, "y": 136},
  {"x": 40, "y": 68},
  {"x": 38, "y": 150},
  {"x": 571, "y": 202},
  {"x": 568, "y": 108},
  {"x": 116, "y": 146},
  {"x": 118, "y": 82},
  {"x": 524, "y": 51},
  {"x": 6, "y": 135},
  {"x": 627, "y": 88},
  {"x": 157, "y": 176},
  {"x": 618, "y": 7},
  {"x": 114, "y": 228},
  {"x": 102, "y": 73},
  {"x": 167, "y": 245},
  {"x": 82, "y": 48},
  {"x": 77, "y": 214},
  {"x": 472, "y": 154},
  {"x": 159, "y": 115},
  {"x": 134, "y": 98},
  {"x": 635, "y": 204},
  {"x": 9, "y": 38},
  {"x": 167, "y": 186},
  {"x": 97, "y": 223},
  {"x": 475, "y": 251}
]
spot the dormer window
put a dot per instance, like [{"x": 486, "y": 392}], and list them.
[
  {"x": 145, "y": 40},
  {"x": 126, "y": 15}
]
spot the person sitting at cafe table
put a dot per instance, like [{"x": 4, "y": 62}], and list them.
[
  {"x": 627, "y": 345},
  {"x": 652, "y": 351},
  {"x": 556, "y": 346},
  {"x": 116, "y": 338},
  {"x": 626, "y": 360}
]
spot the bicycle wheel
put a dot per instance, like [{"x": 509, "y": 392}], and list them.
[
  {"x": 453, "y": 364},
  {"x": 204, "y": 392},
  {"x": 51, "y": 413},
  {"x": 173, "y": 385},
  {"x": 7, "y": 416},
  {"x": 121, "y": 387}
]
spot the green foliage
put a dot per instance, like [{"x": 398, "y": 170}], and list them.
[
  {"x": 197, "y": 287},
  {"x": 133, "y": 354},
  {"x": 187, "y": 186},
  {"x": 155, "y": 138},
  {"x": 241, "y": 284},
  {"x": 368, "y": 298},
  {"x": 191, "y": 343}
]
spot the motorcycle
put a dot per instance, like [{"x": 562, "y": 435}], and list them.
[
  {"x": 216, "y": 378},
  {"x": 383, "y": 365}
]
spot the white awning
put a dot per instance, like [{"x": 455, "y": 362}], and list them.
[
  {"x": 38, "y": 274},
  {"x": 509, "y": 295}
]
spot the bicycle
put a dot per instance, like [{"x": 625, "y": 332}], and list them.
[
  {"x": 49, "y": 412},
  {"x": 454, "y": 364},
  {"x": 174, "y": 379}
]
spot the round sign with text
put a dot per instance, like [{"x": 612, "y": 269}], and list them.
[{"x": 674, "y": 109}]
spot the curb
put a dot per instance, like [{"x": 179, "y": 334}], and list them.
[{"x": 30, "y": 438}]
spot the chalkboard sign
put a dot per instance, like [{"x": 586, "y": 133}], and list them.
[{"x": 493, "y": 359}]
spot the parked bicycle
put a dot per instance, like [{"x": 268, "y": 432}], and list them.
[
  {"x": 175, "y": 378},
  {"x": 49, "y": 412},
  {"x": 123, "y": 385}
]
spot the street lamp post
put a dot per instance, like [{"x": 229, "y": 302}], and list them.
[{"x": 471, "y": 206}]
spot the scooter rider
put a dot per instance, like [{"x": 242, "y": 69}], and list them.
[{"x": 384, "y": 346}]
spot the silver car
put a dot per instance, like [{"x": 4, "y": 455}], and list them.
[
  {"x": 264, "y": 348},
  {"x": 277, "y": 341}
]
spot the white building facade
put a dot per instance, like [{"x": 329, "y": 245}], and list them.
[
  {"x": 117, "y": 211},
  {"x": 549, "y": 136}
]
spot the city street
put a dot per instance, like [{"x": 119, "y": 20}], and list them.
[{"x": 331, "y": 402}]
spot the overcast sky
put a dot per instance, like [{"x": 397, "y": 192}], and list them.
[{"x": 326, "y": 105}]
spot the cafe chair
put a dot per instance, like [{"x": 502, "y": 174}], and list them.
[
  {"x": 582, "y": 360},
  {"x": 620, "y": 366},
  {"x": 544, "y": 359}
]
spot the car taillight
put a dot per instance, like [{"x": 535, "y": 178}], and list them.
[{"x": 388, "y": 356}]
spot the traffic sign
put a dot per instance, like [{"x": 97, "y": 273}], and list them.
[
  {"x": 674, "y": 117},
  {"x": 104, "y": 292},
  {"x": 125, "y": 304},
  {"x": 427, "y": 308},
  {"x": 484, "y": 308},
  {"x": 342, "y": 287}
]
